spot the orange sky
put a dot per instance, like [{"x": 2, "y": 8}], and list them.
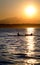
[{"x": 15, "y": 8}]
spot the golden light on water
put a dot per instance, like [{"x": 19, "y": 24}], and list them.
[
  {"x": 30, "y": 47},
  {"x": 30, "y": 61},
  {"x": 30, "y": 42},
  {"x": 30, "y": 30}
]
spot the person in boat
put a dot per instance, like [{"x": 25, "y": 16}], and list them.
[
  {"x": 18, "y": 34},
  {"x": 31, "y": 34}
]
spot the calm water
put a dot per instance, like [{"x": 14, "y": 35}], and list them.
[{"x": 19, "y": 50}]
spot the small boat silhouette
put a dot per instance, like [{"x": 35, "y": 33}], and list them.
[
  {"x": 28, "y": 34},
  {"x": 24, "y": 35},
  {"x": 18, "y": 34}
]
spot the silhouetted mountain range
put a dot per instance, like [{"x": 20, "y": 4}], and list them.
[
  {"x": 12, "y": 21},
  {"x": 15, "y": 20}
]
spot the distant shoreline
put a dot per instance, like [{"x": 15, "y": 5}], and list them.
[{"x": 19, "y": 25}]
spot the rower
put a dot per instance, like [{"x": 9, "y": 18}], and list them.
[
  {"x": 17, "y": 34},
  {"x": 31, "y": 34}
]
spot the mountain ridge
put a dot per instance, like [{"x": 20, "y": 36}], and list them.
[{"x": 15, "y": 20}]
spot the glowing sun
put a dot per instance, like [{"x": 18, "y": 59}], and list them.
[{"x": 30, "y": 11}]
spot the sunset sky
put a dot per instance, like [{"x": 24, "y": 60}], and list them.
[{"x": 26, "y": 9}]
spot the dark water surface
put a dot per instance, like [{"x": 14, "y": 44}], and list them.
[{"x": 19, "y": 50}]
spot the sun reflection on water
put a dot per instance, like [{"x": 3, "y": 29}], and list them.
[
  {"x": 30, "y": 61},
  {"x": 30, "y": 30},
  {"x": 30, "y": 42},
  {"x": 30, "y": 47}
]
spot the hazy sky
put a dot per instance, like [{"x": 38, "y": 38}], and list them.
[{"x": 14, "y": 8}]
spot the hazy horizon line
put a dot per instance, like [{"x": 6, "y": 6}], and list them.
[{"x": 16, "y": 20}]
